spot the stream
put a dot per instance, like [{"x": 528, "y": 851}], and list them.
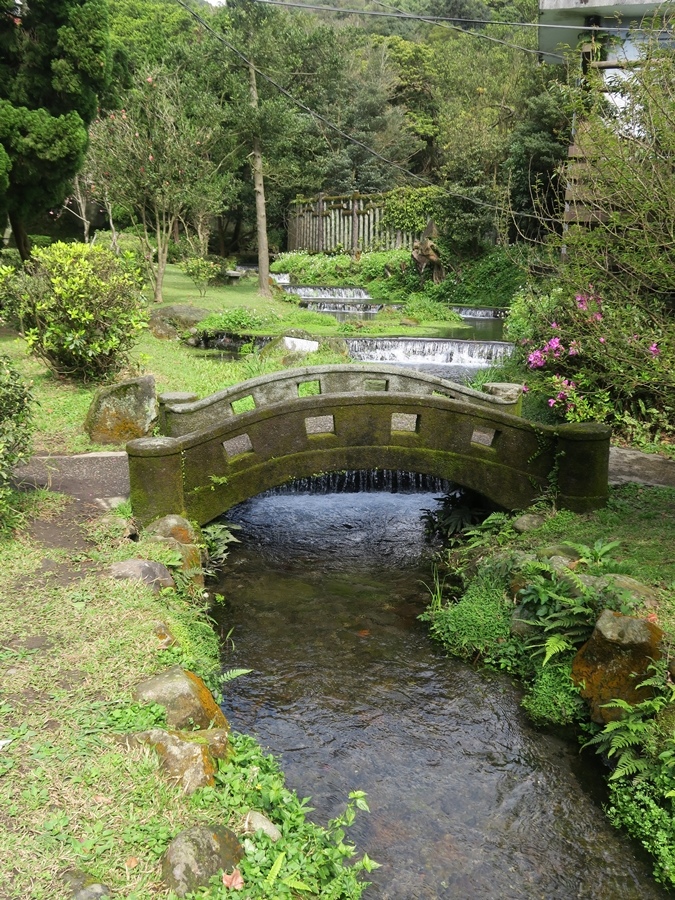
[{"x": 468, "y": 800}]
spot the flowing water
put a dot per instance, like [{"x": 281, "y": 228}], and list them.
[
  {"x": 468, "y": 801},
  {"x": 456, "y": 360}
]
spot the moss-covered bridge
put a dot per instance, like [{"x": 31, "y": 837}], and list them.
[{"x": 232, "y": 445}]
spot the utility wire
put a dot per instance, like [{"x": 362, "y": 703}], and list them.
[
  {"x": 456, "y": 19},
  {"x": 315, "y": 115},
  {"x": 476, "y": 34}
]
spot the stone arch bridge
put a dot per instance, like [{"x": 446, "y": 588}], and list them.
[{"x": 232, "y": 445}]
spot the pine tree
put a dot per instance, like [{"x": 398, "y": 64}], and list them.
[{"x": 55, "y": 60}]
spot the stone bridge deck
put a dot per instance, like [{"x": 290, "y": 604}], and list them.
[{"x": 388, "y": 418}]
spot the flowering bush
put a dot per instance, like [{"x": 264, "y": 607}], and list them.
[{"x": 595, "y": 358}]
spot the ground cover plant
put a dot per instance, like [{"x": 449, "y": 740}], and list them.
[
  {"x": 499, "y": 600},
  {"x": 73, "y": 644}
]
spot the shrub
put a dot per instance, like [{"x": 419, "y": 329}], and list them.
[
  {"x": 596, "y": 358},
  {"x": 201, "y": 271},
  {"x": 79, "y": 309},
  {"x": 489, "y": 280},
  {"x": 388, "y": 275},
  {"x": 15, "y": 431},
  {"x": 10, "y": 257}
]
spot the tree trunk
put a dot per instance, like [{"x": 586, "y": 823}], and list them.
[
  {"x": 260, "y": 211},
  {"x": 163, "y": 235},
  {"x": 222, "y": 228},
  {"x": 20, "y": 237}
]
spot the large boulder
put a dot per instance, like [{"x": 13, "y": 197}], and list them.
[
  {"x": 168, "y": 321},
  {"x": 196, "y": 855},
  {"x": 122, "y": 412},
  {"x": 187, "y": 700},
  {"x": 614, "y": 661},
  {"x": 175, "y": 527}
]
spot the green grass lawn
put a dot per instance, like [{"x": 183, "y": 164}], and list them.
[
  {"x": 283, "y": 313},
  {"x": 62, "y": 405}
]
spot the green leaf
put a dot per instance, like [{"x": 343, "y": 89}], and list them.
[{"x": 276, "y": 868}]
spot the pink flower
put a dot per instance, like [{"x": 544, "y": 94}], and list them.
[
  {"x": 151, "y": 158},
  {"x": 536, "y": 360},
  {"x": 525, "y": 389},
  {"x": 602, "y": 340},
  {"x": 654, "y": 349},
  {"x": 582, "y": 301},
  {"x": 149, "y": 79},
  {"x": 553, "y": 344},
  {"x": 597, "y": 316},
  {"x": 551, "y": 401},
  {"x": 574, "y": 348},
  {"x": 555, "y": 325}
]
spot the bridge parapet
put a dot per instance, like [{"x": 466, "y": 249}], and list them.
[
  {"x": 178, "y": 418},
  {"x": 506, "y": 458}
]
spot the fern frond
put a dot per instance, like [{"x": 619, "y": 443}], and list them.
[
  {"x": 231, "y": 674},
  {"x": 555, "y": 644}
]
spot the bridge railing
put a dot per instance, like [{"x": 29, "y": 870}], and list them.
[
  {"x": 182, "y": 414},
  {"x": 506, "y": 458}
]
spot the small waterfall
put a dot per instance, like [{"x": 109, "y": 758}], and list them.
[
  {"x": 332, "y": 306},
  {"x": 312, "y": 292},
  {"x": 364, "y": 482},
  {"x": 477, "y": 312},
  {"x": 477, "y": 354},
  {"x": 281, "y": 277}
]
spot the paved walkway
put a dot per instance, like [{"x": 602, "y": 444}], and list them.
[{"x": 103, "y": 478}]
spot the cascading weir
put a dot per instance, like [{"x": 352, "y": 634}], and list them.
[{"x": 222, "y": 450}]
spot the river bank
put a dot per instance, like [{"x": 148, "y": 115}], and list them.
[{"x": 73, "y": 797}]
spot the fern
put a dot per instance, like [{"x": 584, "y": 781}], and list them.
[
  {"x": 555, "y": 644},
  {"x": 231, "y": 674}
]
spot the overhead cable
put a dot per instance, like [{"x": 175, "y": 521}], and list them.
[
  {"x": 458, "y": 20},
  {"x": 476, "y": 34}
]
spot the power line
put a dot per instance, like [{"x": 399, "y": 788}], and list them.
[
  {"x": 477, "y": 34},
  {"x": 434, "y": 19},
  {"x": 315, "y": 115}
]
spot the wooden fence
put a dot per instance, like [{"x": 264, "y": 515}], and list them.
[{"x": 350, "y": 223}]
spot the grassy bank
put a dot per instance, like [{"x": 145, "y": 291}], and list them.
[
  {"x": 63, "y": 405},
  {"x": 505, "y": 600},
  {"x": 74, "y": 643}
]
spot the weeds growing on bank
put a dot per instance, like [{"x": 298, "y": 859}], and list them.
[
  {"x": 498, "y": 600},
  {"x": 74, "y": 643}
]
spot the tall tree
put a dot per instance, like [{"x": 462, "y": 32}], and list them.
[
  {"x": 161, "y": 159},
  {"x": 55, "y": 61}
]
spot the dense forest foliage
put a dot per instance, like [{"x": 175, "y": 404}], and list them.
[{"x": 344, "y": 103}]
